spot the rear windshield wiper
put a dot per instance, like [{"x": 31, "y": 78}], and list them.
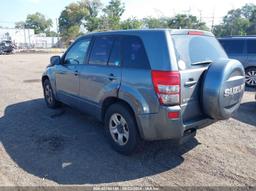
[{"x": 202, "y": 62}]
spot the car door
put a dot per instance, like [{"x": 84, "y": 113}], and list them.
[
  {"x": 67, "y": 76},
  {"x": 100, "y": 77},
  {"x": 235, "y": 49},
  {"x": 251, "y": 53}
]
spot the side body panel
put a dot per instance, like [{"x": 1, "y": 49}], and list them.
[
  {"x": 251, "y": 55},
  {"x": 96, "y": 84}
]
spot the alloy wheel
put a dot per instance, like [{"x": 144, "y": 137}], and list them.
[{"x": 118, "y": 128}]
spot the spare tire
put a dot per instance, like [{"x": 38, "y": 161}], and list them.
[{"x": 223, "y": 88}]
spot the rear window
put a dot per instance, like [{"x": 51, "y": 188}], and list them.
[
  {"x": 134, "y": 53},
  {"x": 193, "y": 49},
  {"x": 234, "y": 46}
]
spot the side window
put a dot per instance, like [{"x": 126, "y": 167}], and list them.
[
  {"x": 77, "y": 53},
  {"x": 101, "y": 50},
  {"x": 233, "y": 46},
  {"x": 251, "y": 46},
  {"x": 115, "y": 57},
  {"x": 134, "y": 53}
]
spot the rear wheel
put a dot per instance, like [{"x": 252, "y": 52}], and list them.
[
  {"x": 250, "y": 77},
  {"x": 49, "y": 97},
  {"x": 121, "y": 129}
]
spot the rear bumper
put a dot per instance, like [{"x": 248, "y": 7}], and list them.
[{"x": 158, "y": 126}]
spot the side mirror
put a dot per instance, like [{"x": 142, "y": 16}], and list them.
[{"x": 55, "y": 60}]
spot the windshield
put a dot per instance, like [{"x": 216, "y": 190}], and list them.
[{"x": 194, "y": 50}]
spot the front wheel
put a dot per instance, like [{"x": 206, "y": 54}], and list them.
[
  {"x": 121, "y": 129},
  {"x": 250, "y": 77},
  {"x": 49, "y": 97}
]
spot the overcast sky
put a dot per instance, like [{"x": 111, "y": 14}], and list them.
[{"x": 16, "y": 10}]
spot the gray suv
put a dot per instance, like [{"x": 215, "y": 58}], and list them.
[
  {"x": 146, "y": 84},
  {"x": 243, "y": 48}
]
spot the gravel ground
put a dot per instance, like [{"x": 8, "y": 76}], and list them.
[{"x": 39, "y": 146}]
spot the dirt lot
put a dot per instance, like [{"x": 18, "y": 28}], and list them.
[{"x": 39, "y": 146}]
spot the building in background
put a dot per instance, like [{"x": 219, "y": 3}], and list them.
[{"x": 26, "y": 38}]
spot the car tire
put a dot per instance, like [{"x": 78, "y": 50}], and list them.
[
  {"x": 250, "y": 77},
  {"x": 121, "y": 129},
  {"x": 49, "y": 96}
]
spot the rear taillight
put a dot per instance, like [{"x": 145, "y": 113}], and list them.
[
  {"x": 195, "y": 33},
  {"x": 167, "y": 86}
]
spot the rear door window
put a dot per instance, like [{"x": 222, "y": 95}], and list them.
[
  {"x": 101, "y": 50},
  {"x": 134, "y": 53},
  {"x": 115, "y": 56},
  {"x": 233, "y": 46},
  {"x": 251, "y": 46}
]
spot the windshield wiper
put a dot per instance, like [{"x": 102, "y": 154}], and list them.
[{"x": 202, "y": 62}]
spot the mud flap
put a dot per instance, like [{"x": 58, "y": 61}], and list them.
[{"x": 188, "y": 135}]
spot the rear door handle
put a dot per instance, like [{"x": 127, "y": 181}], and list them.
[
  {"x": 111, "y": 77},
  {"x": 190, "y": 83}
]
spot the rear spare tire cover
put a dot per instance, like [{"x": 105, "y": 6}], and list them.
[{"x": 223, "y": 89}]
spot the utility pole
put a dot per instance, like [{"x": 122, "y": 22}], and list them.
[
  {"x": 58, "y": 31},
  {"x": 188, "y": 12},
  {"x": 213, "y": 20},
  {"x": 200, "y": 15},
  {"x": 25, "y": 36}
]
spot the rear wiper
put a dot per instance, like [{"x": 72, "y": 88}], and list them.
[{"x": 202, "y": 62}]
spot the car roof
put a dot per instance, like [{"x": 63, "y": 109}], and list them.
[
  {"x": 140, "y": 31},
  {"x": 237, "y": 37}
]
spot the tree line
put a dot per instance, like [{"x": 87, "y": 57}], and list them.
[{"x": 91, "y": 15}]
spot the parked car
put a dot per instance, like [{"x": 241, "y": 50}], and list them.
[
  {"x": 243, "y": 48},
  {"x": 6, "y": 47},
  {"x": 146, "y": 84}
]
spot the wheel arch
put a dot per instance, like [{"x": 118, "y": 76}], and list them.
[
  {"x": 114, "y": 100},
  {"x": 249, "y": 67},
  {"x": 44, "y": 77}
]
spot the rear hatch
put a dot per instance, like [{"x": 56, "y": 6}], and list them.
[{"x": 195, "y": 51}]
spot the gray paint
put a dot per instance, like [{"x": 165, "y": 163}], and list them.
[{"x": 91, "y": 85}]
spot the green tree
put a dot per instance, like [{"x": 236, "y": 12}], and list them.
[
  {"x": 38, "y": 22},
  {"x": 75, "y": 15},
  {"x": 249, "y": 12},
  {"x": 20, "y": 25},
  {"x": 92, "y": 21},
  {"x": 186, "y": 22},
  {"x": 131, "y": 23},
  {"x": 234, "y": 23},
  {"x": 51, "y": 34},
  {"x": 112, "y": 15},
  {"x": 151, "y": 22},
  {"x": 70, "y": 21},
  {"x": 241, "y": 21}
]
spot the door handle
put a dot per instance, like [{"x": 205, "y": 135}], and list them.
[
  {"x": 76, "y": 73},
  {"x": 111, "y": 77},
  {"x": 190, "y": 83}
]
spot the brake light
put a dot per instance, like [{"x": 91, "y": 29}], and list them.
[
  {"x": 167, "y": 87},
  {"x": 173, "y": 115},
  {"x": 195, "y": 33}
]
